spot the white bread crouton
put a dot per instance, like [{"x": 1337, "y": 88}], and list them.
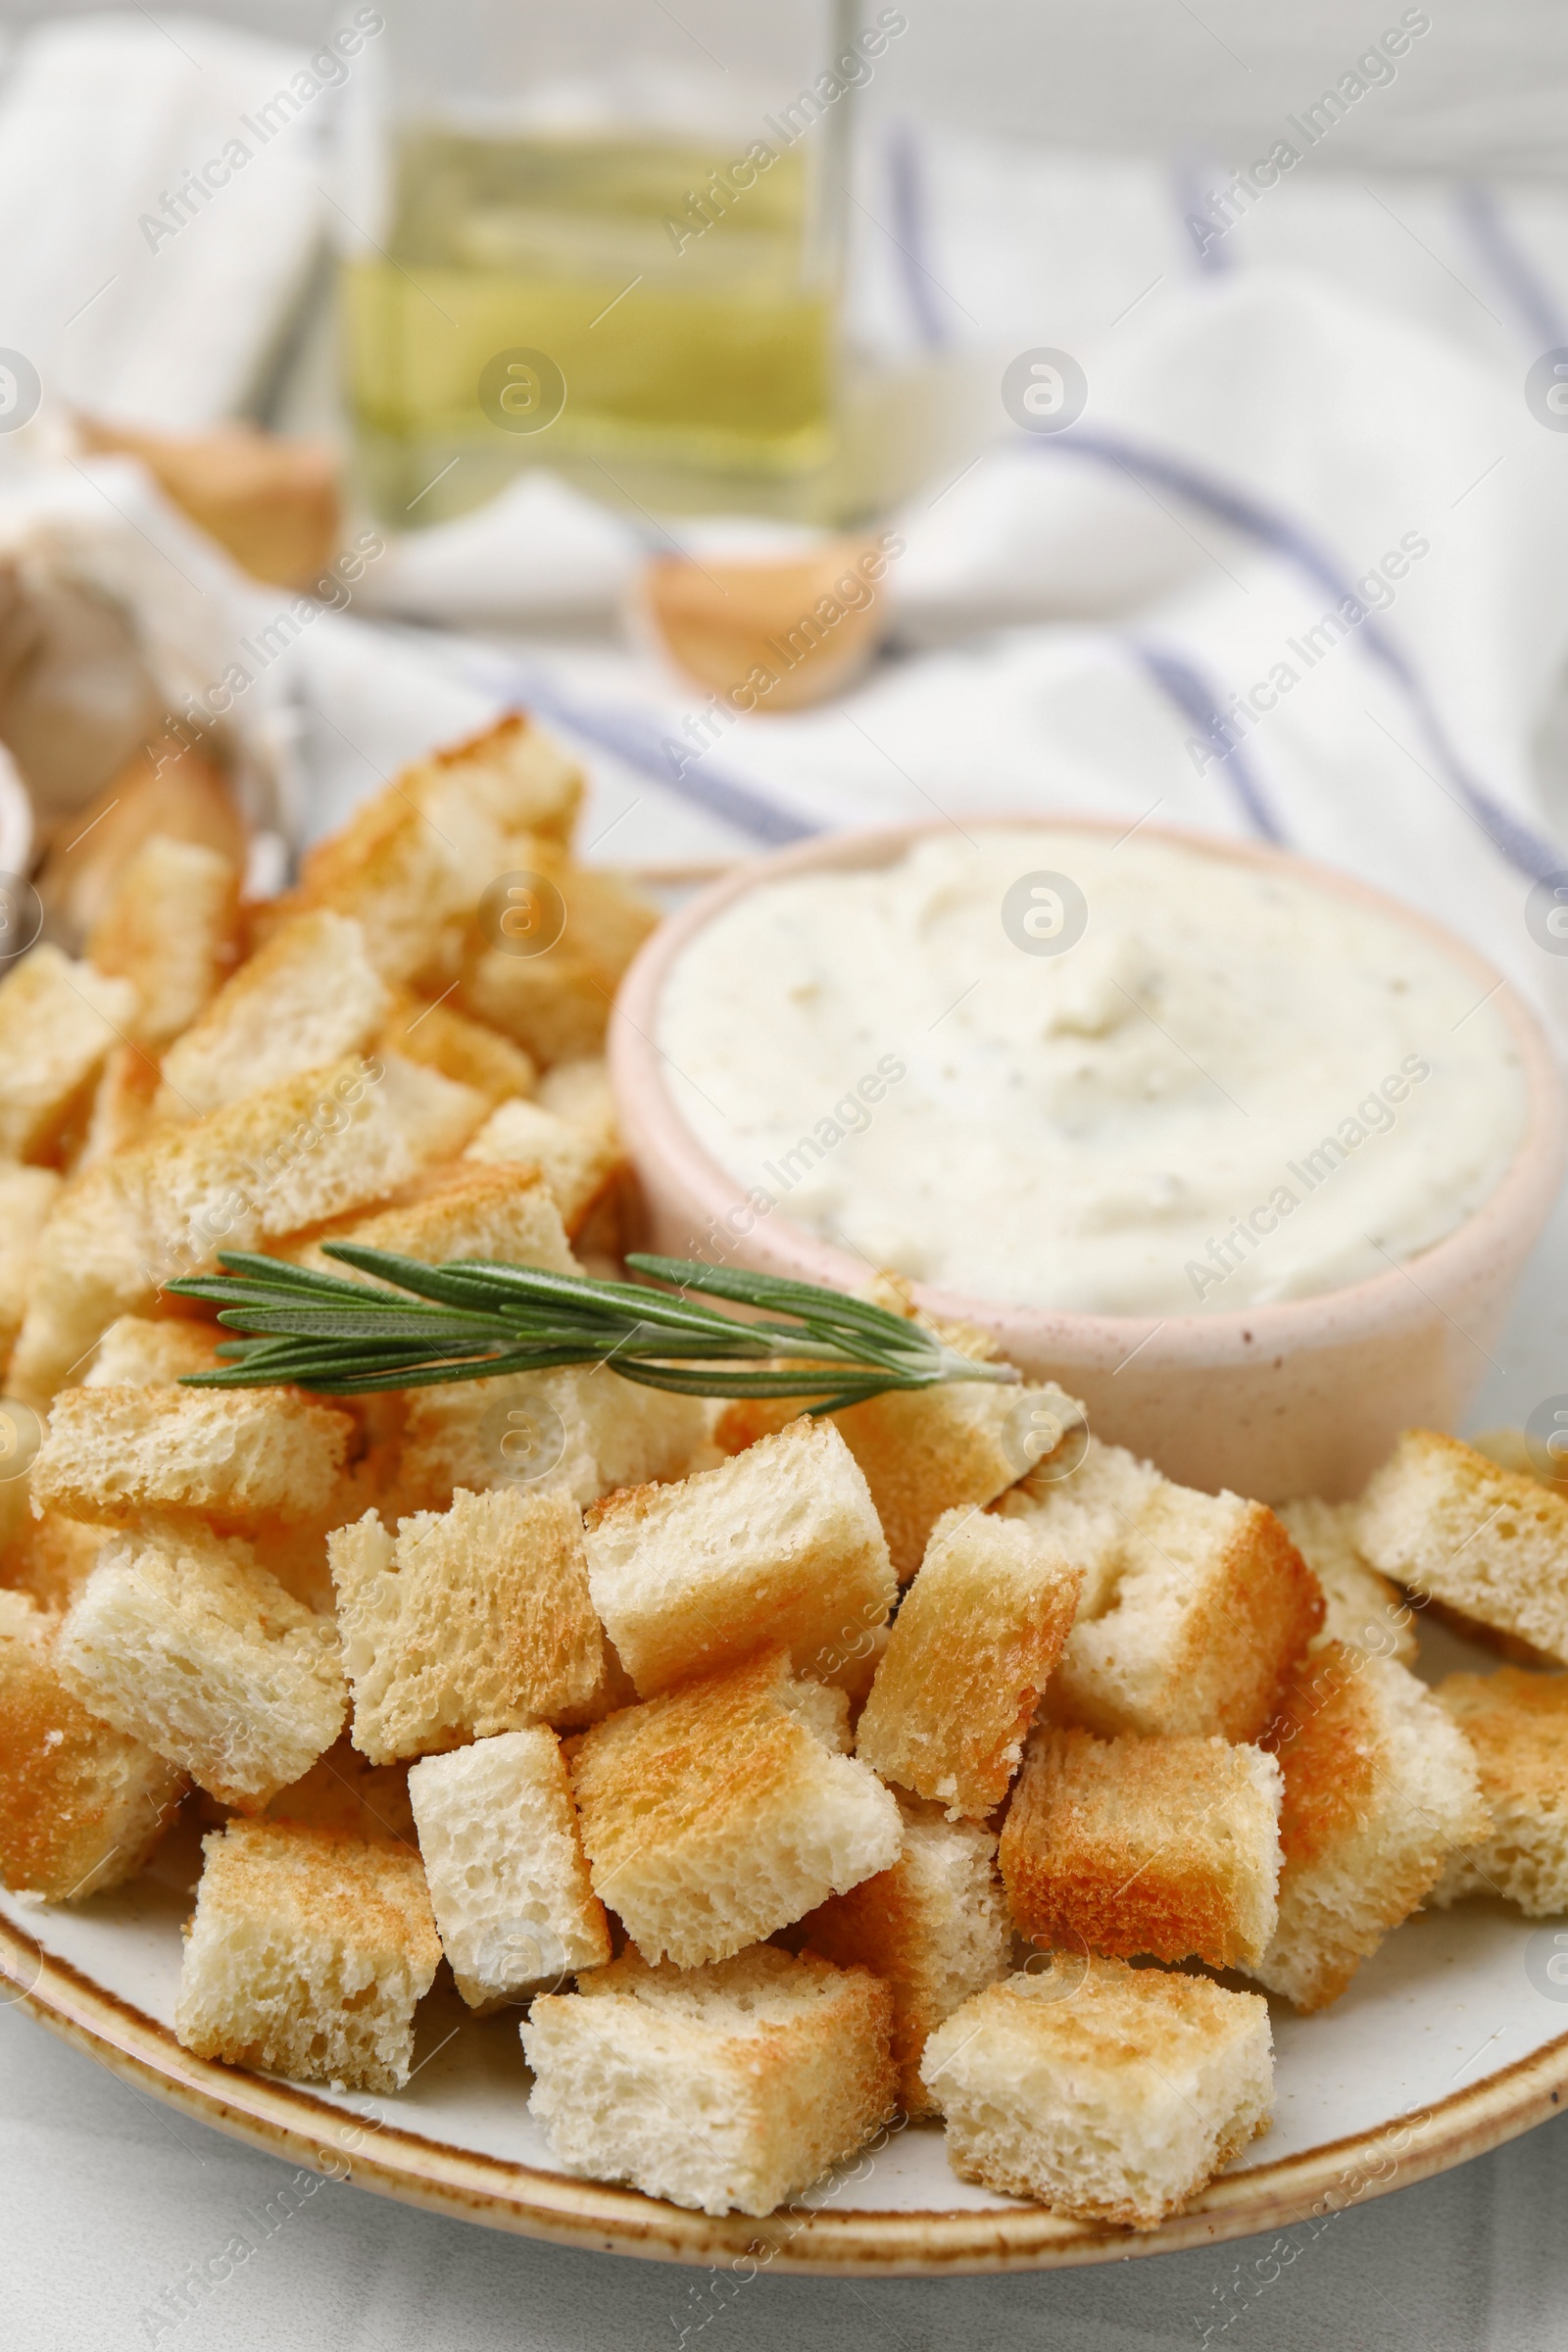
[
  {"x": 576, "y": 1162},
  {"x": 929, "y": 1450},
  {"x": 1203, "y": 1602},
  {"x": 170, "y": 927},
  {"x": 1361, "y": 1608},
  {"x": 464, "y": 1624},
  {"x": 81, "y": 1805},
  {"x": 151, "y": 1351},
  {"x": 306, "y": 1955},
  {"x": 508, "y": 1214},
  {"x": 310, "y": 995},
  {"x": 509, "y": 1885},
  {"x": 124, "y": 1108},
  {"x": 1487, "y": 1541},
  {"x": 58, "y": 1022},
  {"x": 345, "y": 1792},
  {"x": 1164, "y": 1847},
  {"x": 726, "y": 2089},
  {"x": 1381, "y": 1788},
  {"x": 179, "y": 1638},
  {"x": 26, "y": 1196},
  {"x": 235, "y": 1455},
  {"x": 720, "y": 1812},
  {"x": 419, "y": 855},
  {"x": 291, "y": 1157},
  {"x": 934, "y": 1928},
  {"x": 556, "y": 1003},
  {"x": 1517, "y": 1724},
  {"x": 775, "y": 1547},
  {"x": 581, "y": 1428},
  {"x": 422, "y": 1029},
  {"x": 978, "y": 1637},
  {"x": 580, "y": 1092},
  {"x": 1109, "y": 2094},
  {"x": 51, "y": 1557}
]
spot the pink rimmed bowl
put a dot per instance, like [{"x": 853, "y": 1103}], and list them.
[{"x": 1300, "y": 1397}]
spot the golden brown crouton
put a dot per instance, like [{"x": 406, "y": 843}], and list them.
[
  {"x": 582, "y": 1429},
  {"x": 311, "y": 994},
  {"x": 1485, "y": 1541},
  {"x": 447, "y": 1041},
  {"x": 26, "y": 1196},
  {"x": 122, "y": 1110},
  {"x": 554, "y": 999},
  {"x": 508, "y": 1215},
  {"x": 578, "y": 1163},
  {"x": 171, "y": 929},
  {"x": 1517, "y": 1724},
  {"x": 115, "y": 1454},
  {"x": 151, "y": 1351},
  {"x": 1168, "y": 1848},
  {"x": 976, "y": 1640},
  {"x": 51, "y": 1557},
  {"x": 1362, "y": 1609},
  {"x": 58, "y": 1022}
]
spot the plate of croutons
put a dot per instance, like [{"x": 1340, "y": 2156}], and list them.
[{"x": 743, "y": 1788}]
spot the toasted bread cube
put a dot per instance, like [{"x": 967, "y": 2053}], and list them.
[
  {"x": 556, "y": 1003},
  {"x": 576, "y": 1162},
  {"x": 26, "y": 1196},
  {"x": 116, "y": 1454},
  {"x": 718, "y": 1813},
  {"x": 58, "y": 1022},
  {"x": 505, "y": 1213},
  {"x": 1485, "y": 1541},
  {"x": 179, "y": 1638},
  {"x": 308, "y": 997},
  {"x": 1195, "y": 1606},
  {"x": 1381, "y": 1790},
  {"x": 306, "y": 1955},
  {"x": 423, "y": 852},
  {"x": 774, "y": 1546},
  {"x": 582, "y": 1429},
  {"x": 171, "y": 929},
  {"x": 50, "y": 1558},
  {"x": 1109, "y": 2094},
  {"x": 151, "y": 1351},
  {"x": 424, "y": 1030},
  {"x": 976, "y": 1640},
  {"x": 613, "y": 1691},
  {"x": 1517, "y": 1724},
  {"x": 1362, "y": 1608},
  {"x": 344, "y": 1792},
  {"x": 727, "y": 2087},
  {"x": 124, "y": 1108},
  {"x": 466, "y": 1623},
  {"x": 934, "y": 1928},
  {"x": 81, "y": 1805},
  {"x": 504, "y": 1857},
  {"x": 1165, "y": 1847},
  {"x": 1514, "y": 1450},
  {"x": 293, "y": 1156},
  {"x": 580, "y": 1092}
]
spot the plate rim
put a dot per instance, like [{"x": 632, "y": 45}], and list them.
[{"x": 290, "y": 2121}]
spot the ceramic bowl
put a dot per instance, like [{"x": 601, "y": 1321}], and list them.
[{"x": 1298, "y": 1396}]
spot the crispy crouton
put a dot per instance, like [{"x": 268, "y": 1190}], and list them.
[
  {"x": 447, "y": 1041},
  {"x": 1168, "y": 1847},
  {"x": 1487, "y": 1541},
  {"x": 727, "y": 2087},
  {"x": 1195, "y": 1606},
  {"x": 421, "y": 855},
  {"x": 775, "y": 1547},
  {"x": 934, "y": 1928},
  {"x": 498, "y": 1832},
  {"x": 116, "y": 1454},
  {"x": 306, "y": 1955},
  {"x": 580, "y": 1092},
  {"x": 582, "y": 1429},
  {"x": 58, "y": 1022},
  {"x": 576, "y": 1162},
  {"x": 613, "y": 1691},
  {"x": 555, "y": 1001},
  {"x": 719, "y": 1812},
  {"x": 1109, "y": 2094},
  {"x": 1515, "y": 1450},
  {"x": 123, "y": 1111},
  {"x": 505, "y": 1213},
  {"x": 291, "y": 1157},
  {"x": 976, "y": 1640},
  {"x": 346, "y": 1792},
  {"x": 1380, "y": 1790},
  {"x": 464, "y": 1624},
  {"x": 1517, "y": 1724},
  {"x": 81, "y": 1806},
  {"x": 311, "y": 994},
  {"x": 1362, "y": 1608},
  {"x": 151, "y": 1351},
  {"x": 171, "y": 929},
  {"x": 179, "y": 1638},
  {"x": 26, "y": 1196},
  {"x": 50, "y": 1559}
]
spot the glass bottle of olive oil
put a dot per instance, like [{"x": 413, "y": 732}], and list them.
[{"x": 649, "y": 305}]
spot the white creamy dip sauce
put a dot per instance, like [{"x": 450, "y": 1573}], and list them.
[{"x": 1231, "y": 1087}]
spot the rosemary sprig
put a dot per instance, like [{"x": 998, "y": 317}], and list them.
[{"x": 411, "y": 1326}]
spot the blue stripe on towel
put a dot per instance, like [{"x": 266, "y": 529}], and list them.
[
  {"x": 1188, "y": 689},
  {"x": 1512, "y": 269}
]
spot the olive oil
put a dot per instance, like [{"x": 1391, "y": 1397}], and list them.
[{"x": 685, "y": 312}]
